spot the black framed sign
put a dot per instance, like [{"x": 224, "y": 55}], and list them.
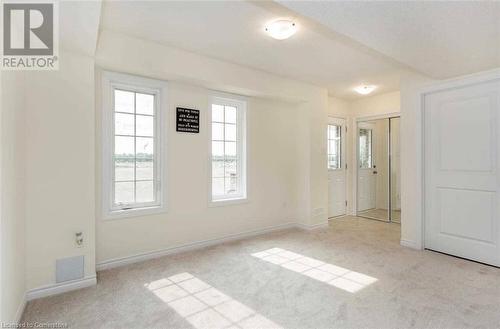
[{"x": 188, "y": 120}]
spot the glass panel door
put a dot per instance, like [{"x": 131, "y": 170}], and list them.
[{"x": 373, "y": 169}]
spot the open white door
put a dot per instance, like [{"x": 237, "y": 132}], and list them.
[
  {"x": 366, "y": 170},
  {"x": 462, "y": 160},
  {"x": 336, "y": 167}
]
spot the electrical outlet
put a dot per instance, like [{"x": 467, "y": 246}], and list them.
[{"x": 79, "y": 239}]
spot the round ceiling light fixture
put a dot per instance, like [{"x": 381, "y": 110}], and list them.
[
  {"x": 281, "y": 29},
  {"x": 365, "y": 89}
]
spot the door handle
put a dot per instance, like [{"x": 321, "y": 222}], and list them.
[{"x": 375, "y": 172}]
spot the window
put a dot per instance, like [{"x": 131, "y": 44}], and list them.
[
  {"x": 365, "y": 148},
  {"x": 334, "y": 148},
  {"x": 228, "y": 150},
  {"x": 132, "y": 146}
]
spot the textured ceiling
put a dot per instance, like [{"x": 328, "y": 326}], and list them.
[
  {"x": 234, "y": 31},
  {"x": 441, "y": 39}
]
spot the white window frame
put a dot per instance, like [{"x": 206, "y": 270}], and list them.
[
  {"x": 241, "y": 108},
  {"x": 110, "y": 82}
]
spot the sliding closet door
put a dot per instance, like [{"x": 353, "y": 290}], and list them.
[
  {"x": 379, "y": 171},
  {"x": 395, "y": 170}
]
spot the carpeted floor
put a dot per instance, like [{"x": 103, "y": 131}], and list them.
[
  {"x": 353, "y": 274},
  {"x": 382, "y": 214}
]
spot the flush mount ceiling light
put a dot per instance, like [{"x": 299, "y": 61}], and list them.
[
  {"x": 281, "y": 29},
  {"x": 365, "y": 89}
]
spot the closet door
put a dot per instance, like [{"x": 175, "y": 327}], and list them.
[
  {"x": 461, "y": 172},
  {"x": 395, "y": 170}
]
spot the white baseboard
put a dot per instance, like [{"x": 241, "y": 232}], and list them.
[
  {"x": 410, "y": 244},
  {"x": 59, "y": 288},
  {"x": 116, "y": 262},
  {"x": 311, "y": 227},
  {"x": 20, "y": 310}
]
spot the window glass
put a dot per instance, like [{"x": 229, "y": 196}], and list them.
[
  {"x": 365, "y": 148},
  {"x": 227, "y": 158},
  {"x": 134, "y": 153},
  {"x": 334, "y": 147}
]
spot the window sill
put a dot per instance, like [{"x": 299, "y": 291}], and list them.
[
  {"x": 228, "y": 202},
  {"x": 130, "y": 213}
]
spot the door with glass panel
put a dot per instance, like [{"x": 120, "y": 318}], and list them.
[
  {"x": 336, "y": 133},
  {"x": 366, "y": 167}
]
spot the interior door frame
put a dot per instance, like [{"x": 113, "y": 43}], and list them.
[
  {"x": 359, "y": 120},
  {"x": 343, "y": 157},
  {"x": 483, "y": 77}
]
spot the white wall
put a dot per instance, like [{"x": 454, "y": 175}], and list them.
[
  {"x": 352, "y": 110},
  {"x": 411, "y": 160},
  {"x": 12, "y": 225},
  {"x": 287, "y": 150},
  {"x": 272, "y": 181},
  {"x": 60, "y": 165},
  {"x": 339, "y": 108},
  {"x": 60, "y": 147},
  {"x": 412, "y": 150},
  {"x": 376, "y": 105}
]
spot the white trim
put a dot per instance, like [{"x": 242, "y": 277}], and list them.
[
  {"x": 241, "y": 104},
  {"x": 134, "y": 212},
  {"x": 121, "y": 261},
  {"x": 410, "y": 244},
  {"x": 459, "y": 82},
  {"x": 357, "y": 121},
  {"x": 228, "y": 202},
  {"x": 110, "y": 80},
  {"x": 378, "y": 116},
  {"x": 421, "y": 92},
  {"x": 338, "y": 217},
  {"x": 20, "y": 310},
  {"x": 59, "y": 288}
]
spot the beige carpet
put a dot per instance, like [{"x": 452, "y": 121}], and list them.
[
  {"x": 382, "y": 214},
  {"x": 353, "y": 274}
]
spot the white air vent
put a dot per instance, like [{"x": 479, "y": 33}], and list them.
[{"x": 70, "y": 268}]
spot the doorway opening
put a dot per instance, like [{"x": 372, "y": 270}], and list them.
[{"x": 378, "y": 169}]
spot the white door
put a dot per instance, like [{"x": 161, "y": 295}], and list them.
[
  {"x": 366, "y": 167},
  {"x": 461, "y": 172},
  {"x": 336, "y": 167}
]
